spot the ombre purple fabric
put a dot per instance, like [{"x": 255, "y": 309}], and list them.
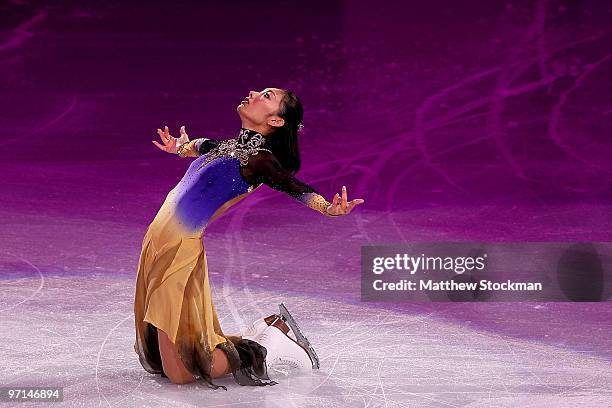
[{"x": 202, "y": 192}]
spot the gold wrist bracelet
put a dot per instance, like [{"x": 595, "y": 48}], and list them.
[
  {"x": 186, "y": 149},
  {"x": 319, "y": 203}
]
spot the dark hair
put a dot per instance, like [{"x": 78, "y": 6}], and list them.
[{"x": 283, "y": 141}]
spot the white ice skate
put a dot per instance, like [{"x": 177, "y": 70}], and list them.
[
  {"x": 299, "y": 336},
  {"x": 282, "y": 351},
  {"x": 257, "y": 327}
]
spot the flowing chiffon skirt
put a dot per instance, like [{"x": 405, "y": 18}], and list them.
[{"x": 173, "y": 294}]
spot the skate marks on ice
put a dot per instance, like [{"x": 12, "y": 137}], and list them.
[{"x": 78, "y": 333}]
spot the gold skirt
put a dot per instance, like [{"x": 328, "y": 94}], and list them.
[{"x": 173, "y": 294}]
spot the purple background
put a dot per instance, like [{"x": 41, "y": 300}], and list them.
[{"x": 472, "y": 120}]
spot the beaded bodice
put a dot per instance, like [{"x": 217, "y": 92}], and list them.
[
  {"x": 246, "y": 144},
  {"x": 225, "y": 170}
]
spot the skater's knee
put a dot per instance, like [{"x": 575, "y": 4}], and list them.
[
  {"x": 220, "y": 364},
  {"x": 173, "y": 366},
  {"x": 181, "y": 380}
]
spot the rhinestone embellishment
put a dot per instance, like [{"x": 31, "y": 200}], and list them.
[{"x": 241, "y": 148}]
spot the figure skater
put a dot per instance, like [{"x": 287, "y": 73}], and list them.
[{"x": 178, "y": 334}]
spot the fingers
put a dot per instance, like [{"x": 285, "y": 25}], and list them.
[
  {"x": 336, "y": 200},
  {"x": 340, "y": 206},
  {"x": 183, "y": 138},
  {"x": 335, "y": 204},
  {"x": 168, "y": 139},
  {"x": 158, "y": 145},
  {"x": 162, "y": 136},
  {"x": 354, "y": 203},
  {"x": 345, "y": 206}
]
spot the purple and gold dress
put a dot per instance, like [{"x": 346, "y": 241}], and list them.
[{"x": 173, "y": 292}]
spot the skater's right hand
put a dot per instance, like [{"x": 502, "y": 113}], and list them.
[{"x": 171, "y": 144}]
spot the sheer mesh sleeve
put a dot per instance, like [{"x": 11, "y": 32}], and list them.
[{"x": 264, "y": 168}]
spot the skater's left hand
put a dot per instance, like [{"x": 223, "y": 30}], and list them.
[{"x": 340, "y": 206}]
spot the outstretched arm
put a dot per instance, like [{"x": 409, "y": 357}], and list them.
[
  {"x": 182, "y": 145},
  {"x": 266, "y": 169}
]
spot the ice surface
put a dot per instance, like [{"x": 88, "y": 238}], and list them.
[
  {"x": 453, "y": 120},
  {"x": 77, "y": 333}
]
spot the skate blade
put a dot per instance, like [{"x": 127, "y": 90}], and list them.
[{"x": 301, "y": 339}]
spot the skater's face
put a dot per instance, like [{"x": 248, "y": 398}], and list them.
[{"x": 260, "y": 108}]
